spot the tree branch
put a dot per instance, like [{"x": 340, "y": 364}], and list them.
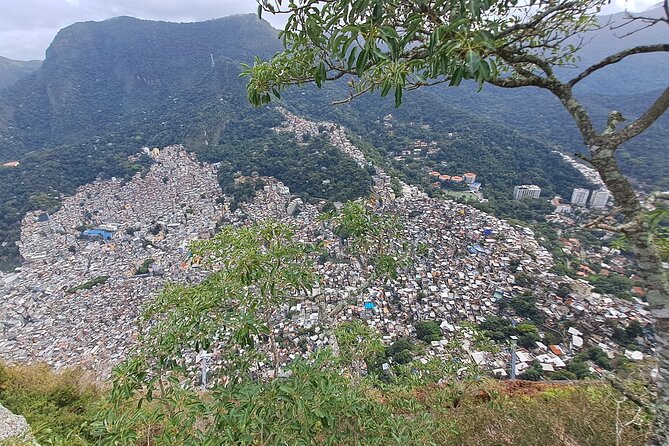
[
  {"x": 516, "y": 82},
  {"x": 643, "y": 122},
  {"x": 617, "y": 58},
  {"x": 576, "y": 110},
  {"x": 535, "y": 20}
]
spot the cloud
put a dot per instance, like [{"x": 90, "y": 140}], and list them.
[{"x": 629, "y": 5}]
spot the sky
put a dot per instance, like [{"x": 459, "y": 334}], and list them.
[{"x": 27, "y": 27}]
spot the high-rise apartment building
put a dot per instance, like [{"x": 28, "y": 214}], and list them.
[
  {"x": 526, "y": 191},
  {"x": 599, "y": 198},
  {"x": 579, "y": 197}
]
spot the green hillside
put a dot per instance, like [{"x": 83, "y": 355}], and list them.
[{"x": 11, "y": 71}]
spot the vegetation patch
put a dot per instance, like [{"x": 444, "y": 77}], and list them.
[{"x": 88, "y": 285}]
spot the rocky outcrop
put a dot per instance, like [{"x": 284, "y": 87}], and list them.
[{"x": 14, "y": 429}]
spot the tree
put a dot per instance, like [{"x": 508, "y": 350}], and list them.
[
  {"x": 373, "y": 238},
  {"x": 357, "y": 343},
  {"x": 428, "y": 331},
  {"x": 397, "y": 45},
  {"x": 257, "y": 268}
]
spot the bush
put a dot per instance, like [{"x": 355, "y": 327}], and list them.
[
  {"x": 534, "y": 373},
  {"x": 615, "y": 284},
  {"x": 88, "y": 285},
  {"x": 428, "y": 331},
  {"x": 400, "y": 351},
  {"x": 564, "y": 290},
  {"x": 524, "y": 279},
  {"x": 58, "y": 406},
  {"x": 525, "y": 306},
  {"x": 528, "y": 335},
  {"x": 579, "y": 369},
  {"x": 563, "y": 375},
  {"x": 596, "y": 355}
]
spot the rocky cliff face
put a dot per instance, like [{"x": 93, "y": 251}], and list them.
[{"x": 100, "y": 77}]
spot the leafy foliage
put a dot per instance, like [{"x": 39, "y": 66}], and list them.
[
  {"x": 615, "y": 284},
  {"x": 375, "y": 239},
  {"x": 89, "y": 284},
  {"x": 317, "y": 405},
  {"x": 501, "y": 330},
  {"x": 428, "y": 331},
  {"x": 392, "y": 46}
]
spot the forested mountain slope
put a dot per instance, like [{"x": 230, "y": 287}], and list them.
[{"x": 13, "y": 70}]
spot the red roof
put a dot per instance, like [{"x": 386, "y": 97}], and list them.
[{"x": 556, "y": 350}]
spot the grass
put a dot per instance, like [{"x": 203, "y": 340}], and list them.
[
  {"x": 468, "y": 196},
  {"x": 58, "y": 406},
  {"x": 61, "y": 406}
]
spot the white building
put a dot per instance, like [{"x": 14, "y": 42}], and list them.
[
  {"x": 599, "y": 198},
  {"x": 579, "y": 197},
  {"x": 526, "y": 191},
  {"x": 562, "y": 208}
]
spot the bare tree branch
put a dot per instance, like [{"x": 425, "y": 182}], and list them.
[
  {"x": 617, "y": 58},
  {"x": 536, "y": 19}
]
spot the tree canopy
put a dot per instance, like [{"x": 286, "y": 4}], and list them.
[{"x": 392, "y": 46}]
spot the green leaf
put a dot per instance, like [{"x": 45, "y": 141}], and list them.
[
  {"x": 361, "y": 63},
  {"x": 484, "y": 69},
  {"x": 473, "y": 62},
  {"x": 398, "y": 95}
]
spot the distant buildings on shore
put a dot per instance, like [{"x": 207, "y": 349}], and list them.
[{"x": 526, "y": 191}]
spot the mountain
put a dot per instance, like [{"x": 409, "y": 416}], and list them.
[
  {"x": 108, "y": 88},
  {"x": 11, "y": 71},
  {"x": 635, "y": 74},
  {"x": 101, "y": 77}
]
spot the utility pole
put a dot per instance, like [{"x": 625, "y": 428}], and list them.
[
  {"x": 512, "y": 374},
  {"x": 203, "y": 359}
]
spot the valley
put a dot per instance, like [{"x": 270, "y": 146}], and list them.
[{"x": 95, "y": 263}]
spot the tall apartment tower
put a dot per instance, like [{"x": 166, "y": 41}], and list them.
[
  {"x": 526, "y": 191},
  {"x": 599, "y": 198},
  {"x": 579, "y": 197}
]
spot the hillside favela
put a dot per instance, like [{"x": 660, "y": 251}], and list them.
[{"x": 350, "y": 222}]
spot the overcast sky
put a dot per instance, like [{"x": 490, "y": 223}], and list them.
[{"x": 27, "y": 27}]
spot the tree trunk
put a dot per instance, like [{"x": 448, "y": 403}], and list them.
[{"x": 651, "y": 271}]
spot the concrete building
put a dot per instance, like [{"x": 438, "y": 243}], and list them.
[
  {"x": 579, "y": 197},
  {"x": 599, "y": 198},
  {"x": 526, "y": 191}
]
